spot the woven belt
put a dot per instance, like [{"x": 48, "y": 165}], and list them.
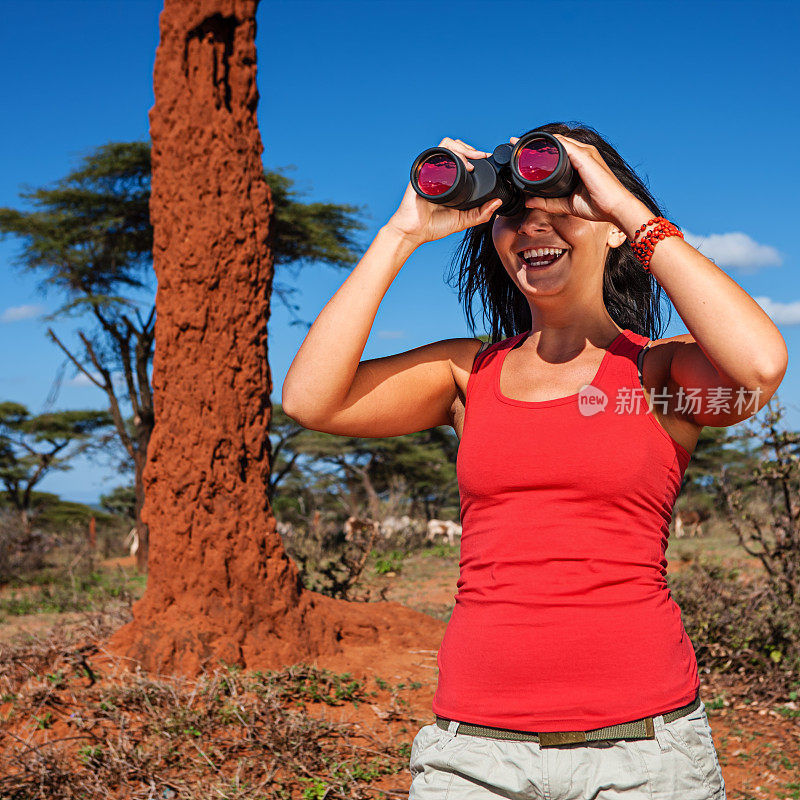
[{"x": 638, "y": 729}]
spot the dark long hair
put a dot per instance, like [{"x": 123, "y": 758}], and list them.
[{"x": 631, "y": 295}]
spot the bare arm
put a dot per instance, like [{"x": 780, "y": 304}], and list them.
[
  {"x": 333, "y": 391},
  {"x": 328, "y": 388},
  {"x": 734, "y": 349},
  {"x": 399, "y": 394}
]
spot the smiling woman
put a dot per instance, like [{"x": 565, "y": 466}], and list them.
[{"x": 574, "y": 435}]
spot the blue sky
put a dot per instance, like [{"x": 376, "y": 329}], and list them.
[{"x": 699, "y": 97}]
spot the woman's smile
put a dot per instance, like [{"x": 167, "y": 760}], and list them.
[{"x": 540, "y": 257}]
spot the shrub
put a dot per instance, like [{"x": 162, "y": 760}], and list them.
[{"x": 738, "y": 627}]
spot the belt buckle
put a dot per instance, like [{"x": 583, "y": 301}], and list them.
[
  {"x": 555, "y": 738},
  {"x": 611, "y": 733}
]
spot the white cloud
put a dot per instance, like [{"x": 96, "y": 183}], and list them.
[
  {"x": 17, "y": 313},
  {"x": 736, "y": 250},
  {"x": 780, "y": 313},
  {"x": 391, "y": 334},
  {"x": 81, "y": 380}
]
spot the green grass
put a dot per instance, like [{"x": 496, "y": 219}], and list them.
[
  {"x": 794, "y": 788},
  {"x": 441, "y": 550},
  {"x": 391, "y": 562},
  {"x": 57, "y": 593}
]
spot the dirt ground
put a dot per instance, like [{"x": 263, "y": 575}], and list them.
[{"x": 758, "y": 746}]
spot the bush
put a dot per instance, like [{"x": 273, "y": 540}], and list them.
[
  {"x": 738, "y": 627},
  {"x": 405, "y": 540},
  {"x": 327, "y": 563},
  {"x": 20, "y": 551}
]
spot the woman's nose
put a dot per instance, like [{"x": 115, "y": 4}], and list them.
[{"x": 534, "y": 220}]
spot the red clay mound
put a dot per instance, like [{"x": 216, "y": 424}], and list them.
[{"x": 220, "y": 584}]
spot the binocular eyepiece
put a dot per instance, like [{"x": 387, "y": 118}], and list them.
[{"x": 537, "y": 165}]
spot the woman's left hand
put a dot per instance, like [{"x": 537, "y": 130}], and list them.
[{"x": 600, "y": 197}]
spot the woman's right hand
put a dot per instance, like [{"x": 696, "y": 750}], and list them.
[{"x": 421, "y": 221}]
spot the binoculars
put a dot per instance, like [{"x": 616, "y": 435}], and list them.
[{"x": 537, "y": 165}]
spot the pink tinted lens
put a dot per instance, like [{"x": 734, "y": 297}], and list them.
[
  {"x": 537, "y": 160},
  {"x": 437, "y": 174}
]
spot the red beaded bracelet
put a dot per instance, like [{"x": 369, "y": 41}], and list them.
[{"x": 643, "y": 250}]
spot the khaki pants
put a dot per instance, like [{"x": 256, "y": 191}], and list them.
[{"x": 679, "y": 764}]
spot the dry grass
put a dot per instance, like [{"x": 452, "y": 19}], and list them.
[{"x": 71, "y": 729}]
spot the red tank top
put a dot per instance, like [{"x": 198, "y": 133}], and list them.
[{"x": 563, "y": 619}]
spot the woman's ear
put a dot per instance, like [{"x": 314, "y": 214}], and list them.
[{"x": 615, "y": 236}]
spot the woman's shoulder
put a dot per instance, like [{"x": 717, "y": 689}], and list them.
[
  {"x": 486, "y": 345},
  {"x": 466, "y": 353},
  {"x": 490, "y": 347}
]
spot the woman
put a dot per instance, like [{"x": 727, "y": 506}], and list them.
[{"x": 565, "y": 670}]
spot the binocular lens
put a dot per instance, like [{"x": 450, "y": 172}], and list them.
[
  {"x": 536, "y": 165},
  {"x": 437, "y": 174},
  {"x": 537, "y": 160}
]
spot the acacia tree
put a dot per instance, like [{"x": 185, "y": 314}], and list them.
[
  {"x": 31, "y": 446},
  {"x": 762, "y": 498},
  {"x": 91, "y": 241},
  {"x": 355, "y": 475},
  {"x": 716, "y": 449}
]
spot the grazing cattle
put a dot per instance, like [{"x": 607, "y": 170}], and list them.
[
  {"x": 392, "y": 525},
  {"x": 443, "y": 527},
  {"x": 689, "y": 523},
  {"x": 133, "y": 539},
  {"x": 355, "y": 526}
]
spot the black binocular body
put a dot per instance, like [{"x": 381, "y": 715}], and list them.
[{"x": 537, "y": 165}]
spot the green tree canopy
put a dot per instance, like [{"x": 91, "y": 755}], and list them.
[
  {"x": 121, "y": 501},
  {"x": 90, "y": 241},
  {"x": 31, "y": 446}
]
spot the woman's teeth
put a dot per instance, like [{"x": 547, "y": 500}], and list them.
[{"x": 541, "y": 257}]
